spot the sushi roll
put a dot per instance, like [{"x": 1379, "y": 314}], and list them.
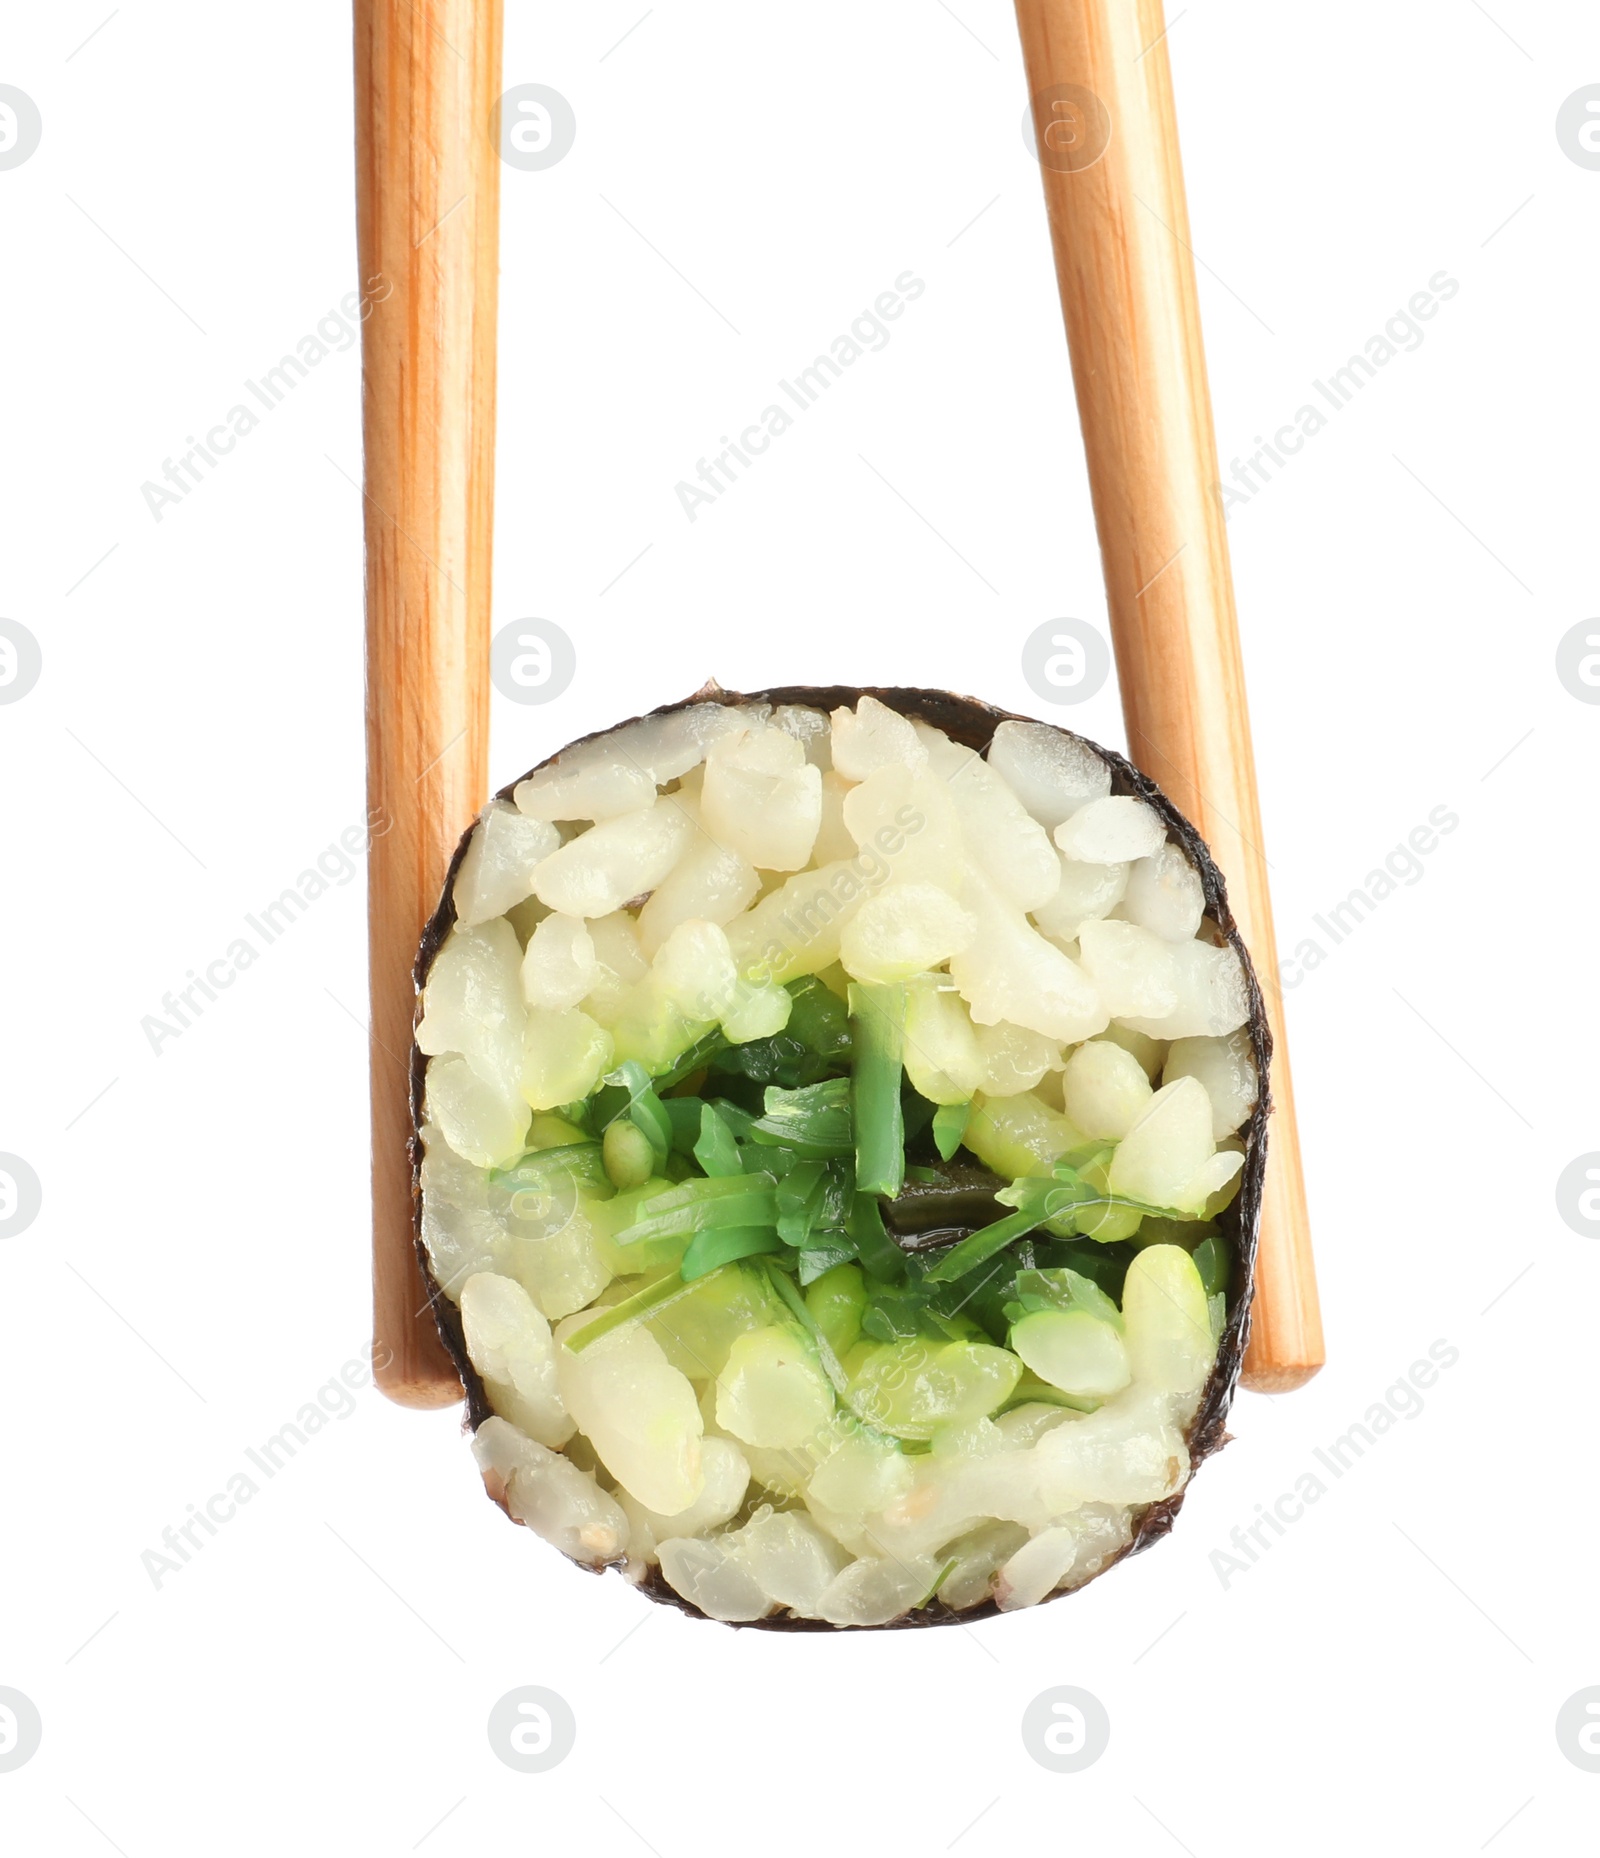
[{"x": 840, "y": 1123}]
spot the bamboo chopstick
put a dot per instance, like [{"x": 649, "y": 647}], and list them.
[
  {"x": 427, "y": 79},
  {"x": 1101, "y": 91}
]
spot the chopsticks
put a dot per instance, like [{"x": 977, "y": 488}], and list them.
[
  {"x": 428, "y": 76},
  {"x": 1101, "y": 93},
  {"x": 427, "y": 80}
]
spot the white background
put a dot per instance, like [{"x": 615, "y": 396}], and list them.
[{"x": 320, "y": 1676}]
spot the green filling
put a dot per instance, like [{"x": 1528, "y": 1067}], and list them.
[
  {"x": 949, "y": 1126},
  {"x": 877, "y": 1025},
  {"x": 786, "y": 1151}
]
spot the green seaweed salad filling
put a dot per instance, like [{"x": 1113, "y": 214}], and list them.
[{"x": 863, "y": 1205}]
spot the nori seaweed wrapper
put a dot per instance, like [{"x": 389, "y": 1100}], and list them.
[{"x": 971, "y": 722}]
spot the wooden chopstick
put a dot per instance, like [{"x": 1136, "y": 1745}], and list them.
[
  {"x": 1101, "y": 91},
  {"x": 427, "y": 80}
]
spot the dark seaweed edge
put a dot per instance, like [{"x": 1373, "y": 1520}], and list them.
[{"x": 972, "y": 722}]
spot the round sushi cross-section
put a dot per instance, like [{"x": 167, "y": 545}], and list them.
[{"x": 840, "y": 1130}]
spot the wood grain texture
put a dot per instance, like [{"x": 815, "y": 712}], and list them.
[
  {"x": 1101, "y": 91},
  {"x": 428, "y": 200}
]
